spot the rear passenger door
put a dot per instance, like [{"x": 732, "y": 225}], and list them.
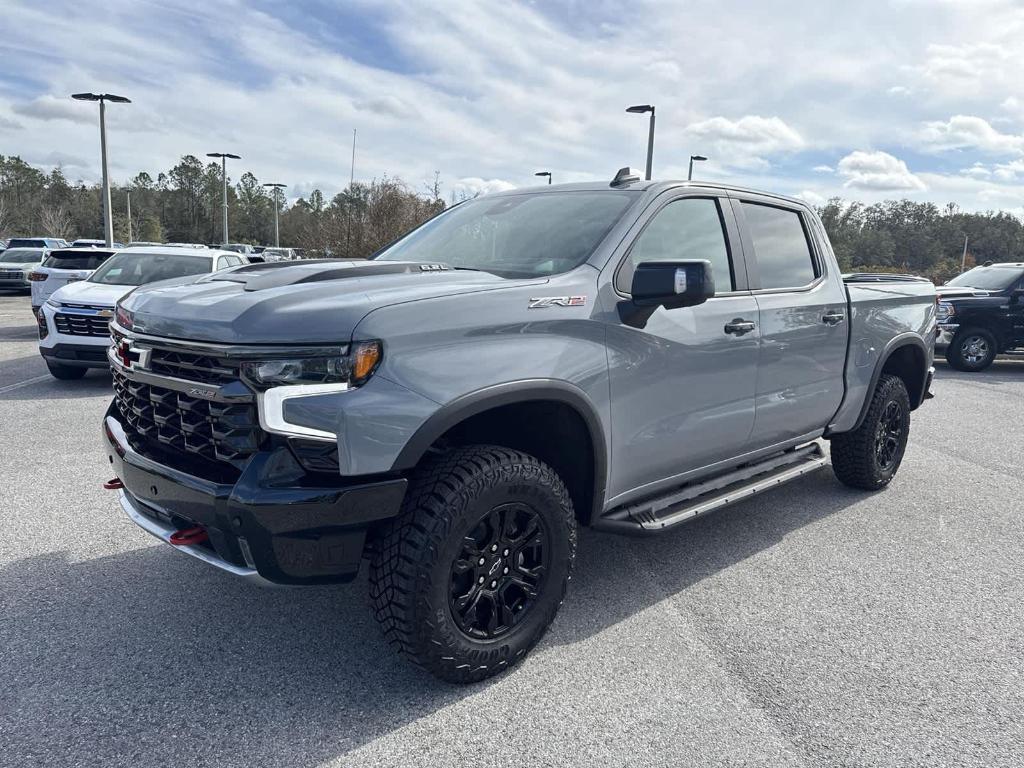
[{"x": 803, "y": 323}]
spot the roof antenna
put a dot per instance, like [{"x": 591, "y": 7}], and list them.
[{"x": 626, "y": 176}]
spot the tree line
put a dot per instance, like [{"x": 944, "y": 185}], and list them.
[{"x": 183, "y": 204}]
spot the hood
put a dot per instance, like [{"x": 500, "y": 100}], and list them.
[
  {"x": 960, "y": 292},
  {"x": 97, "y": 294},
  {"x": 294, "y": 302}
]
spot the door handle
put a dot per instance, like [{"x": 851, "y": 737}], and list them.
[
  {"x": 739, "y": 326},
  {"x": 833, "y": 318}
]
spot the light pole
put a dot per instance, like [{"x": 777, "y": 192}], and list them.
[
  {"x": 103, "y": 98},
  {"x": 224, "y": 168},
  {"x": 128, "y": 200},
  {"x": 544, "y": 173},
  {"x": 277, "y": 189},
  {"x": 640, "y": 109},
  {"x": 697, "y": 158}
]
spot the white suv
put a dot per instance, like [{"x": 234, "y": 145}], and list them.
[
  {"x": 63, "y": 266},
  {"x": 73, "y": 322}
]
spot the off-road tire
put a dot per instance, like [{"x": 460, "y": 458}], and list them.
[
  {"x": 65, "y": 372},
  {"x": 855, "y": 458},
  {"x": 412, "y": 565},
  {"x": 955, "y": 350}
]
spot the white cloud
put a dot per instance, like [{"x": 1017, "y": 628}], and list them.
[
  {"x": 746, "y": 141},
  {"x": 823, "y": 169},
  {"x": 49, "y": 107},
  {"x": 472, "y": 187},
  {"x": 898, "y": 90},
  {"x": 969, "y": 132},
  {"x": 811, "y": 197},
  {"x": 878, "y": 171}
]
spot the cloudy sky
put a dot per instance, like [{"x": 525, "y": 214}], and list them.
[{"x": 909, "y": 98}]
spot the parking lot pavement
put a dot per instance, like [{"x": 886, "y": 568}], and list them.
[{"x": 814, "y": 625}]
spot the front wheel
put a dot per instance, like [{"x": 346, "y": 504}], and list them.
[
  {"x": 469, "y": 576},
  {"x": 972, "y": 349},
  {"x": 869, "y": 456}
]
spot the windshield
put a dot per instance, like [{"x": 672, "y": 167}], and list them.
[
  {"x": 988, "y": 278},
  {"x": 20, "y": 256},
  {"x": 76, "y": 259},
  {"x": 526, "y": 235},
  {"x": 139, "y": 268}
]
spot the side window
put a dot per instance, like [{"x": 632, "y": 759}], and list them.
[
  {"x": 784, "y": 258},
  {"x": 686, "y": 229}
]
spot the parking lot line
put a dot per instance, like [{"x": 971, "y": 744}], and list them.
[{"x": 20, "y": 384}]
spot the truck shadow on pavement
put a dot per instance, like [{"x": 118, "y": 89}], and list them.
[
  {"x": 1005, "y": 370},
  {"x": 148, "y": 657}
]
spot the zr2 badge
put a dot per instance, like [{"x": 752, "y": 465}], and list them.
[{"x": 557, "y": 301}]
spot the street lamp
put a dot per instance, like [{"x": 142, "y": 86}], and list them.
[
  {"x": 544, "y": 173},
  {"x": 277, "y": 190},
  {"x": 224, "y": 168},
  {"x": 103, "y": 98},
  {"x": 694, "y": 158},
  {"x": 640, "y": 109}
]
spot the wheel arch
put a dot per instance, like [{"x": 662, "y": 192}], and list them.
[
  {"x": 524, "y": 415},
  {"x": 905, "y": 356}
]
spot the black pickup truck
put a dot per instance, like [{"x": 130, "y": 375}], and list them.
[{"x": 981, "y": 315}]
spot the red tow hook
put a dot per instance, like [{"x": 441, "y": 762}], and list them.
[
  {"x": 194, "y": 535},
  {"x": 113, "y": 485}
]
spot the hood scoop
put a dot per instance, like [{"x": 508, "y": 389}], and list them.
[{"x": 260, "y": 277}]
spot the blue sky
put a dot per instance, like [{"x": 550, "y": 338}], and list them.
[{"x": 907, "y": 98}]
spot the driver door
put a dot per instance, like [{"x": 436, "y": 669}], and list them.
[{"x": 682, "y": 386}]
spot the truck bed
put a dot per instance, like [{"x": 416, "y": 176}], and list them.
[{"x": 885, "y": 311}]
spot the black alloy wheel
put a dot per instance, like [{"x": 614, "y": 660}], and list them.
[{"x": 499, "y": 572}]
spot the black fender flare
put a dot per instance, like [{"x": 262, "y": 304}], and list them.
[
  {"x": 508, "y": 393},
  {"x": 908, "y": 339}
]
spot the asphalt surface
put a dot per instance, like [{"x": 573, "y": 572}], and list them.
[{"x": 812, "y": 626}]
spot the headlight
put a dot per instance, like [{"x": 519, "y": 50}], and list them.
[
  {"x": 124, "y": 317},
  {"x": 353, "y": 368},
  {"x": 944, "y": 311}
]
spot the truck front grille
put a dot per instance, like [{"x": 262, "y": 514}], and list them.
[
  {"x": 193, "y": 366},
  {"x": 167, "y": 418},
  {"x": 82, "y": 325}
]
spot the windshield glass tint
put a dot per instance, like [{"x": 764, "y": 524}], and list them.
[
  {"x": 26, "y": 242},
  {"x": 20, "y": 256},
  {"x": 76, "y": 259},
  {"x": 517, "y": 235},
  {"x": 988, "y": 278},
  {"x": 139, "y": 268}
]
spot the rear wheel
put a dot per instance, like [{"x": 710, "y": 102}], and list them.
[
  {"x": 972, "y": 349},
  {"x": 469, "y": 576},
  {"x": 65, "y": 372},
  {"x": 869, "y": 456}
]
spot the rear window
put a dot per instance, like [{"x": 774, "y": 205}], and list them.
[
  {"x": 21, "y": 256},
  {"x": 76, "y": 259},
  {"x": 135, "y": 268},
  {"x": 26, "y": 242},
  {"x": 784, "y": 258}
]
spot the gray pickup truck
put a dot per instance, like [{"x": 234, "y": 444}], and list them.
[{"x": 625, "y": 356}]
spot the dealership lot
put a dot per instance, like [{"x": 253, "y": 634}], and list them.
[{"x": 814, "y": 625}]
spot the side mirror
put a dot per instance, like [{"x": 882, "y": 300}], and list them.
[{"x": 672, "y": 284}]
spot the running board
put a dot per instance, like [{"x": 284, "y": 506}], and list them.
[{"x": 685, "y": 504}]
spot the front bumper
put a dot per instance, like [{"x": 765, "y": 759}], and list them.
[
  {"x": 274, "y": 523},
  {"x": 944, "y": 334},
  {"x": 76, "y": 355},
  {"x": 22, "y": 283}
]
